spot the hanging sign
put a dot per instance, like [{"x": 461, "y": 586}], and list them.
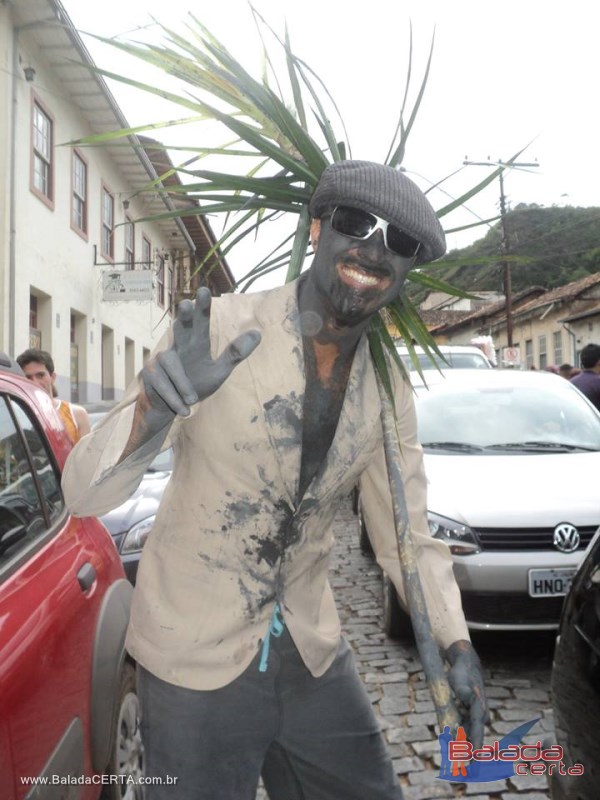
[{"x": 130, "y": 284}]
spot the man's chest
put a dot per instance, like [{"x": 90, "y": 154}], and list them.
[{"x": 321, "y": 409}]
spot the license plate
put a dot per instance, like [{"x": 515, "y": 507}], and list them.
[{"x": 550, "y": 582}]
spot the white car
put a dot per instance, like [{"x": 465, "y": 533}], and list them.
[
  {"x": 513, "y": 468},
  {"x": 455, "y": 356}
]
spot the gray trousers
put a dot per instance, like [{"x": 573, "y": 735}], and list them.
[{"x": 311, "y": 738}]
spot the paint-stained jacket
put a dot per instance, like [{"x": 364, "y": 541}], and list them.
[{"x": 230, "y": 537}]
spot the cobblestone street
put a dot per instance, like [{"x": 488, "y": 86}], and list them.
[{"x": 517, "y": 673}]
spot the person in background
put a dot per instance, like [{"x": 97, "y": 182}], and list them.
[
  {"x": 38, "y": 367},
  {"x": 567, "y": 371},
  {"x": 588, "y": 380}
]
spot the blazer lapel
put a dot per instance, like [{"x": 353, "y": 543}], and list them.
[{"x": 277, "y": 367}]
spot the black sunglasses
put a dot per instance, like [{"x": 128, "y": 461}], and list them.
[{"x": 358, "y": 224}]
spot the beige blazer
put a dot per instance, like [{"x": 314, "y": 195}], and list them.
[{"x": 230, "y": 538}]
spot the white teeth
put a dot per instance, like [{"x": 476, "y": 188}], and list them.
[{"x": 360, "y": 277}]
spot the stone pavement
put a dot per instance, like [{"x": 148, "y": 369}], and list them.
[{"x": 517, "y": 674}]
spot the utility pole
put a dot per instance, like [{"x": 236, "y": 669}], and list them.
[{"x": 505, "y": 244}]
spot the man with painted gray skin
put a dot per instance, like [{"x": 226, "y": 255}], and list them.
[{"x": 242, "y": 668}]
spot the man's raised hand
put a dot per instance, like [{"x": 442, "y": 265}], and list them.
[{"x": 186, "y": 373}]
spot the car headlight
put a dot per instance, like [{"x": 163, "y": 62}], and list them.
[
  {"x": 460, "y": 538},
  {"x": 136, "y": 536}
]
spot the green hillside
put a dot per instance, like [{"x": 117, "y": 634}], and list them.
[{"x": 548, "y": 247}]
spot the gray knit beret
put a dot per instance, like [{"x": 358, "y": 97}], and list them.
[{"x": 383, "y": 191}]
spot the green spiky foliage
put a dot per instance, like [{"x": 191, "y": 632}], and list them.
[{"x": 282, "y": 138}]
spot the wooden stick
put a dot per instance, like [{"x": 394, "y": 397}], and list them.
[{"x": 429, "y": 652}]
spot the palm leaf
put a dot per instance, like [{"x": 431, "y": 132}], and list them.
[
  {"x": 438, "y": 285},
  {"x": 295, "y": 83},
  {"x": 276, "y": 132},
  {"x": 300, "y": 245},
  {"x": 398, "y": 155},
  {"x": 261, "y": 119}
]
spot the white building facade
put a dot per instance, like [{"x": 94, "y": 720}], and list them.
[{"x": 69, "y": 215}]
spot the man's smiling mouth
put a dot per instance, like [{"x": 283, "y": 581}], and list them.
[{"x": 355, "y": 276}]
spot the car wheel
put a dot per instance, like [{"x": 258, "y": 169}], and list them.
[
  {"x": 363, "y": 534},
  {"x": 127, "y": 754},
  {"x": 396, "y": 622}
]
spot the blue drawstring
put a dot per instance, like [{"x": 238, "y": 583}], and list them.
[{"x": 276, "y": 627}]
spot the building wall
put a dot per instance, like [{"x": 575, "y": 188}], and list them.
[
  {"x": 584, "y": 331},
  {"x": 536, "y": 339},
  {"x": 5, "y": 116},
  {"x": 53, "y": 261},
  {"x": 562, "y": 344}
]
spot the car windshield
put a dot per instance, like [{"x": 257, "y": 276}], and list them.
[
  {"x": 452, "y": 360},
  {"x": 510, "y": 418}
]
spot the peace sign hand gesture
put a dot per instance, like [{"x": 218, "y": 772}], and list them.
[{"x": 178, "y": 378}]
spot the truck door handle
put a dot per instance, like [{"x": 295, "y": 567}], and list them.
[{"x": 86, "y": 576}]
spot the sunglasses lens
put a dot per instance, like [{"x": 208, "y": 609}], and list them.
[
  {"x": 353, "y": 222},
  {"x": 401, "y": 243},
  {"x": 360, "y": 225}
]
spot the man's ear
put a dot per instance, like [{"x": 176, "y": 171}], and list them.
[{"x": 315, "y": 232}]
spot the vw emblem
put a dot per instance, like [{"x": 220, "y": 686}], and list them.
[{"x": 566, "y": 537}]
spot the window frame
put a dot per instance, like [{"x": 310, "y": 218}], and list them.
[
  {"x": 171, "y": 284},
  {"x": 53, "y": 526},
  {"x": 129, "y": 243},
  {"x": 528, "y": 353},
  {"x": 160, "y": 280},
  {"x": 81, "y": 231},
  {"x": 543, "y": 351},
  {"x": 48, "y": 159},
  {"x": 557, "y": 351},
  {"x": 33, "y": 310},
  {"x": 108, "y": 254},
  {"x": 146, "y": 244}
]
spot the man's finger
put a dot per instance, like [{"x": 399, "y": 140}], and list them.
[
  {"x": 156, "y": 380},
  {"x": 477, "y": 716},
  {"x": 175, "y": 371},
  {"x": 182, "y": 326},
  {"x": 185, "y": 312},
  {"x": 238, "y": 350},
  {"x": 465, "y": 693},
  {"x": 201, "y": 319}
]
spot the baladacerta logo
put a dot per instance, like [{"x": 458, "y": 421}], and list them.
[{"x": 463, "y": 763}]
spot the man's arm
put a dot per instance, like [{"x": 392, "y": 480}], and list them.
[
  {"x": 82, "y": 419},
  {"x": 106, "y": 467},
  {"x": 182, "y": 376}
]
